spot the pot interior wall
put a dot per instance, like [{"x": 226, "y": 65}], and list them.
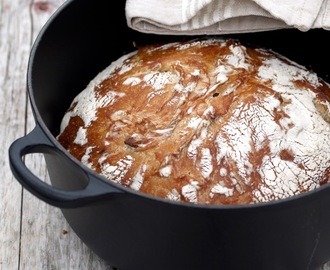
[{"x": 86, "y": 36}]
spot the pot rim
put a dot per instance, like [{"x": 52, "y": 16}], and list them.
[{"x": 39, "y": 121}]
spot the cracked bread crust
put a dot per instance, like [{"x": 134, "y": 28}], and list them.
[{"x": 204, "y": 121}]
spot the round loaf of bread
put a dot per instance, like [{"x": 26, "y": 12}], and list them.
[{"x": 205, "y": 121}]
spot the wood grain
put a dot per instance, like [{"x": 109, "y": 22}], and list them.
[
  {"x": 33, "y": 235},
  {"x": 14, "y": 48}
]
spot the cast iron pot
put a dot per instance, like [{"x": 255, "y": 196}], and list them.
[{"x": 131, "y": 230}]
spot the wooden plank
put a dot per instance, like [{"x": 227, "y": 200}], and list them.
[{"x": 14, "y": 48}]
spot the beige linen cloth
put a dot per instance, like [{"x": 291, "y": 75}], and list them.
[{"x": 225, "y": 16}]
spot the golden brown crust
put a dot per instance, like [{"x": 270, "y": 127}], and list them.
[{"x": 208, "y": 121}]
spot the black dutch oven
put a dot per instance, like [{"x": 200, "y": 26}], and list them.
[{"x": 131, "y": 230}]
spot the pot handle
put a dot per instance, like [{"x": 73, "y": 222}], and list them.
[{"x": 37, "y": 142}]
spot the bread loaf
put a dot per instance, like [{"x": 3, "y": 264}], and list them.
[{"x": 206, "y": 121}]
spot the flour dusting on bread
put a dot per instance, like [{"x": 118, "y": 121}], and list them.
[{"x": 205, "y": 121}]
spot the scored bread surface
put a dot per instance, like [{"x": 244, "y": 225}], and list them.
[{"x": 205, "y": 121}]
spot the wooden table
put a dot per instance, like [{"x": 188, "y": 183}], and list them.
[{"x": 33, "y": 235}]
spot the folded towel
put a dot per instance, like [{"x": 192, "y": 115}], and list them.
[{"x": 225, "y": 16}]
